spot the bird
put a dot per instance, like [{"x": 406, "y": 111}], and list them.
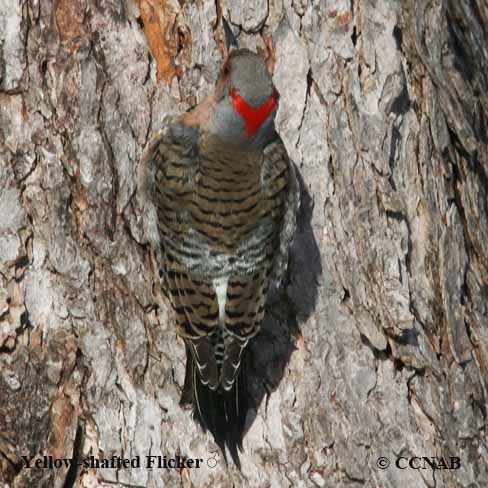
[{"x": 224, "y": 196}]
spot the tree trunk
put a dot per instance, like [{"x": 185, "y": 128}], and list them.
[{"x": 378, "y": 344}]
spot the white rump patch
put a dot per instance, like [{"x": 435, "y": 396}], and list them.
[{"x": 220, "y": 287}]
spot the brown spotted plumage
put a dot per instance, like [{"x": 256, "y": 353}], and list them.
[{"x": 225, "y": 202}]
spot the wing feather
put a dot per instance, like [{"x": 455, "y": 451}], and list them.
[
  {"x": 246, "y": 295},
  {"x": 168, "y": 166}
]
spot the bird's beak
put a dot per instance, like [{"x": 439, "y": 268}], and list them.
[{"x": 230, "y": 40}]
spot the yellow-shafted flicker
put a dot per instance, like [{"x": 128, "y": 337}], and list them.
[{"x": 225, "y": 196}]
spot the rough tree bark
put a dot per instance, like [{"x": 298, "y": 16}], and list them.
[{"x": 384, "y": 110}]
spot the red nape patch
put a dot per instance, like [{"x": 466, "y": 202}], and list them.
[{"x": 253, "y": 117}]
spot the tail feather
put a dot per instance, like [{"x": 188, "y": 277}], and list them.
[{"x": 221, "y": 412}]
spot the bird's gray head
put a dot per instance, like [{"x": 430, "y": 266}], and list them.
[{"x": 246, "y": 100}]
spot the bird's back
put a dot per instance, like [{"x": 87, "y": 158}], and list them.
[{"x": 219, "y": 210}]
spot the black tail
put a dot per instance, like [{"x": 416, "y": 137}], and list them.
[{"x": 221, "y": 412}]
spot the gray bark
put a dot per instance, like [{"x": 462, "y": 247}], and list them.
[{"x": 377, "y": 346}]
